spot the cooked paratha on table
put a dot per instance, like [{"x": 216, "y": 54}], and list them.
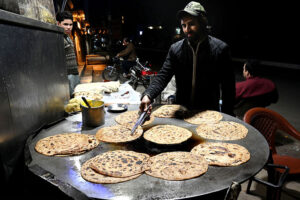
[
  {"x": 92, "y": 176},
  {"x": 120, "y": 163},
  {"x": 208, "y": 116},
  {"x": 223, "y": 130},
  {"x": 118, "y": 134},
  {"x": 170, "y": 111},
  {"x": 131, "y": 117},
  {"x": 167, "y": 134},
  {"x": 66, "y": 144},
  {"x": 222, "y": 154},
  {"x": 177, "y": 165}
]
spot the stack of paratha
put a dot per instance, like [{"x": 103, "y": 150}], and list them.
[
  {"x": 177, "y": 166},
  {"x": 66, "y": 144},
  {"x": 223, "y": 130},
  {"x": 170, "y": 111},
  {"x": 131, "y": 117},
  {"x": 118, "y": 134},
  {"x": 167, "y": 134},
  {"x": 222, "y": 154},
  {"x": 207, "y": 116},
  {"x": 115, "y": 166}
]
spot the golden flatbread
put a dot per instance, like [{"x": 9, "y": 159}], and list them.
[
  {"x": 131, "y": 117},
  {"x": 167, "y": 134},
  {"x": 222, "y": 154},
  {"x": 66, "y": 144},
  {"x": 118, "y": 134},
  {"x": 92, "y": 176},
  {"x": 207, "y": 116},
  {"x": 177, "y": 165},
  {"x": 223, "y": 130},
  {"x": 170, "y": 111},
  {"x": 120, "y": 163}
]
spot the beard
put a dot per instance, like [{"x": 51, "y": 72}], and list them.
[{"x": 194, "y": 36}]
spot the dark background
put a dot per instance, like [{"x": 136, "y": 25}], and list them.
[{"x": 265, "y": 30}]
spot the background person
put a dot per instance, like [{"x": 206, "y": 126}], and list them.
[
  {"x": 201, "y": 64},
  {"x": 65, "y": 20},
  {"x": 129, "y": 56},
  {"x": 255, "y": 91}
]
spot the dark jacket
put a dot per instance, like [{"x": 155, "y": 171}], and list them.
[
  {"x": 71, "y": 62},
  {"x": 214, "y": 71},
  {"x": 129, "y": 53}
]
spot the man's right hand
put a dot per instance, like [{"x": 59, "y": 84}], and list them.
[{"x": 145, "y": 103}]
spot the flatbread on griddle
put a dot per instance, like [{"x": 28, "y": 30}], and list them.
[
  {"x": 131, "y": 117},
  {"x": 223, "y": 130},
  {"x": 118, "y": 134},
  {"x": 208, "y": 116},
  {"x": 222, "y": 154},
  {"x": 92, "y": 176},
  {"x": 167, "y": 134},
  {"x": 66, "y": 144},
  {"x": 120, "y": 163},
  {"x": 177, "y": 165},
  {"x": 170, "y": 111}
]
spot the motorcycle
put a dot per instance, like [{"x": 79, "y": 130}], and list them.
[
  {"x": 113, "y": 72},
  {"x": 141, "y": 74}
]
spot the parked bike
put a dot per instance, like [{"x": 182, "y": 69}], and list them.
[{"x": 141, "y": 74}]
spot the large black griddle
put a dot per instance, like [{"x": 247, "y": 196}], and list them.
[{"x": 64, "y": 172}]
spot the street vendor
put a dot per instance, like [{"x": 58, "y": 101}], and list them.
[{"x": 201, "y": 64}]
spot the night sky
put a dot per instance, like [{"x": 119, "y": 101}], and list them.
[{"x": 266, "y": 30}]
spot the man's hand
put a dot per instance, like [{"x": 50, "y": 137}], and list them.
[{"x": 145, "y": 103}]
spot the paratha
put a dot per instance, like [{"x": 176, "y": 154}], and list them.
[
  {"x": 66, "y": 144},
  {"x": 223, "y": 130},
  {"x": 118, "y": 134},
  {"x": 120, "y": 163},
  {"x": 177, "y": 165},
  {"x": 208, "y": 116},
  {"x": 131, "y": 117},
  {"x": 167, "y": 134},
  {"x": 222, "y": 154},
  {"x": 92, "y": 176},
  {"x": 169, "y": 111}
]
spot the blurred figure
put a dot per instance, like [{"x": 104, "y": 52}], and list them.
[
  {"x": 129, "y": 56},
  {"x": 255, "y": 91},
  {"x": 65, "y": 20},
  {"x": 201, "y": 64}
]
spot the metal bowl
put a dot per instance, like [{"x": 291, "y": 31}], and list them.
[{"x": 117, "y": 108}]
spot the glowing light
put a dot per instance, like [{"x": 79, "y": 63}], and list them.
[
  {"x": 150, "y": 27},
  {"x": 141, "y": 32}
]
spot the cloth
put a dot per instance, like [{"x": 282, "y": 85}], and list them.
[
  {"x": 126, "y": 95},
  {"x": 128, "y": 53},
  {"x": 253, "y": 86},
  {"x": 214, "y": 72},
  {"x": 71, "y": 62}
]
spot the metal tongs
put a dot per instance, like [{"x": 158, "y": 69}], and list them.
[{"x": 140, "y": 120}]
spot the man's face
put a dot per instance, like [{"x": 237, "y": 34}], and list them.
[
  {"x": 125, "y": 43},
  {"x": 67, "y": 24},
  {"x": 245, "y": 71},
  {"x": 191, "y": 28}
]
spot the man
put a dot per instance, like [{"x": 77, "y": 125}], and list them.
[
  {"x": 129, "y": 55},
  {"x": 255, "y": 91},
  {"x": 65, "y": 20},
  {"x": 201, "y": 65}
]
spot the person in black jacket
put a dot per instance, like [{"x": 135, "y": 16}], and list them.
[{"x": 201, "y": 64}]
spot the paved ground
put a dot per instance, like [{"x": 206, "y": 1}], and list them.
[{"x": 288, "y": 84}]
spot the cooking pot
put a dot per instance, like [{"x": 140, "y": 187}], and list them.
[{"x": 93, "y": 116}]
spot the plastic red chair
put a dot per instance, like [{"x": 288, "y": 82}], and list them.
[{"x": 268, "y": 122}]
